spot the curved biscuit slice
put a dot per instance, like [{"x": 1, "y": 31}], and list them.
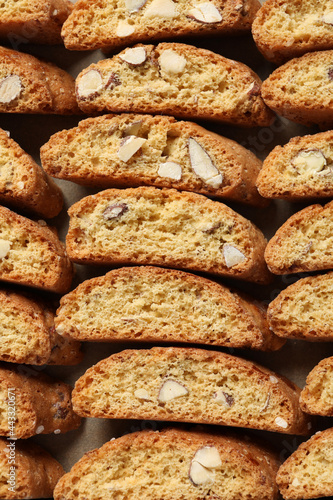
[
  {"x": 168, "y": 228},
  {"x": 301, "y": 169},
  {"x": 317, "y": 396},
  {"x": 297, "y": 312},
  {"x": 308, "y": 472},
  {"x": 155, "y": 465},
  {"x": 302, "y": 89},
  {"x": 31, "y": 254},
  {"x": 189, "y": 385},
  {"x": 180, "y": 155},
  {"x": 284, "y": 29},
  {"x": 112, "y": 24},
  {"x": 175, "y": 79}
]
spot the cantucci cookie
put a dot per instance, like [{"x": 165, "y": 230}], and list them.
[
  {"x": 168, "y": 228},
  {"x": 155, "y": 304},
  {"x": 317, "y": 396},
  {"x": 28, "y": 85},
  {"x": 284, "y": 29},
  {"x": 36, "y": 21},
  {"x": 32, "y": 403},
  {"x": 133, "y": 150},
  {"x": 301, "y": 169},
  {"x": 155, "y": 465},
  {"x": 308, "y": 472},
  {"x": 27, "y": 333},
  {"x": 175, "y": 79},
  {"x": 23, "y": 183},
  {"x": 304, "y": 97},
  {"x": 31, "y": 254},
  {"x": 297, "y": 312},
  {"x": 189, "y": 385},
  {"x": 112, "y": 24},
  {"x": 303, "y": 242},
  {"x": 27, "y": 471}
]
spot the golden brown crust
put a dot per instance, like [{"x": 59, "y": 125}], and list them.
[{"x": 316, "y": 397}]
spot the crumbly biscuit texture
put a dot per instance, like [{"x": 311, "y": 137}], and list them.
[
  {"x": 301, "y": 90},
  {"x": 303, "y": 242},
  {"x": 112, "y": 24},
  {"x": 190, "y": 385},
  {"x": 284, "y": 29},
  {"x": 317, "y": 396},
  {"x": 159, "y": 152},
  {"x": 165, "y": 227},
  {"x": 36, "y": 471},
  {"x": 42, "y": 405},
  {"x": 308, "y": 472},
  {"x": 176, "y": 79}
]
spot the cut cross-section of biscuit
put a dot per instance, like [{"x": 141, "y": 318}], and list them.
[
  {"x": 27, "y": 333},
  {"x": 284, "y": 29},
  {"x": 303, "y": 243},
  {"x": 190, "y": 385},
  {"x": 174, "y": 79},
  {"x": 317, "y": 396},
  {"x": 24, "y": 184},
  {"x": 154, "y": 304},
  {"x": 28, "y": 85},
  {"x": 301, "y": 89},
  {"x": 301, "y": 169},
  {"x": 155, "y": 465},
  {"x": 168, "y": 228},
  {"x": 181, "y": 155},
  {"x": 31, "y": 254},
  {"x": 32, "y": 403},
  {"x": 27, "y": 471},
  {"x": 308, "y": 472},
  {"x": 297, "y": 312},
  {"x": 112, "y": 24}
]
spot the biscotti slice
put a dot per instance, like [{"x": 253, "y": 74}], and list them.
[
  {"x": 32, "y": 403},
  {"x": 23, "y": 183},
  {"x": 317, "y": 396},
  {"x": 28, "y": 85},
  {"x": 284, "y": 29},
  {"x": 168, "y": 228},
  {"x": 112, "y": 24},
  {"x": 174, "y": 79},
  {"x": 27, "y": 471},
  {"x": 173, "y": 464},
  {"x": 303, "y": 242},
  {"x": 166, "y": 153},
  {"x": 301, "y": 89},
  {"x": 36, "y": 21},
  {"x": 31, "y": 254},
  {"x": 300, "y": 170},
  {"x": 297, "y": 312},
  {"x": 155, "y": 304},
  {"x": 308, "y": 472},
  {"x": 189, "y": 385},
  {"x": 27, "y": 333}
]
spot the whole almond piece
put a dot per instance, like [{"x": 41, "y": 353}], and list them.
[{"x": 202, "y": 164}]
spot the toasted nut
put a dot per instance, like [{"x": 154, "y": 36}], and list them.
[
  {"x": 170, "y": 169},
  {"x": 273, "y": 379},
  {"x": 266, "y": 404},
  {"x": 133, "y": 128},
  {"x": 232, "y": 255},
  {"x": 129, "y": 146},
  {"x": 135, "y": 56},
  {"x": 295, "y": 482},
  {"x": 142, "y": 394},
  {"x": 10, "y": 88},
  {"x": 60, "y": 329},
  {"x": 281, "y": 422},
  {"x": 4, "y": 248},
  {"x": 114, "y": 211},
  {"x": 134, "y": 5},
  {"x": 90, "y": 84},
  {"x": 161, "y": 8},
  {"x": 309, "y": 161},
  {"x": 172, "y": 63},
  {"x": 254, "y": 89},
  {"x": 199, "y": 475},
  {"x": 113, "y": 81},
  {"x": 223, "y": 398},
  {"x": 209, "y": 457},
  {"x": 205, "y": 13},
  {"x": 203, "y": 165},
  {"x": 171, "y": 389},
  {"x": 124, "y": 29},
  {"x": 328, "y": 18}
]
